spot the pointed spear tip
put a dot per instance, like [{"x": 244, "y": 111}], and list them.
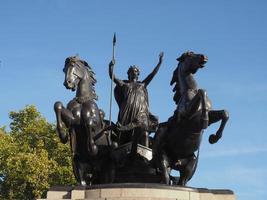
[{"x": 114, "y": 39}]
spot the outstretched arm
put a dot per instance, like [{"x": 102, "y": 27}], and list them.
[
  {"x": 111, "y": 73},
  {"x": 149, "y": 78}
]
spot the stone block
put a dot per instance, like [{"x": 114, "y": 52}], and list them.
[
  {"x": 77, "y": 194},
  {"x": 59, "y": 192},
  {"x": 194, "y": 196},
  {"x": 111, "y": 193},
  {"x": 137, "y": 191},
  {"x": 224, "y": 197},
  {"x": 206, "y": 196}
]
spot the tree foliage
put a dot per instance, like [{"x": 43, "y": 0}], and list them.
[{"x": 31, "y": 157}]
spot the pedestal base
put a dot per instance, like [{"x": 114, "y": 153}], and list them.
[{"x": 137, "y": 191}]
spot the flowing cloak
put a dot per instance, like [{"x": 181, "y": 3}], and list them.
[{"x": 132, "y": 99}]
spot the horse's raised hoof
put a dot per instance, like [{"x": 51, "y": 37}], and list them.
[{"x": 213, "y": 139}]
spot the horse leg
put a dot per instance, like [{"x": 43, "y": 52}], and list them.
[
  {"x": 215, "y": 116},
  {"x": 89, "y": 123},
  {"x": 188, "y": 170},
  {"x": 158, "y": 142},
  {"x": 108, "y": 171},
  {"x": 79, "y": 170},
  {"x": 199, "y": 98},
  {"x": 65, "y": 116},
  {"x": 205, "y": 113},
  {"x": 92, "y": 148},
  {"x": 75, "y": 167},
  {"x": 165, "y": 169}
]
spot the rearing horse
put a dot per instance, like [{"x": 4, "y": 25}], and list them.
[
  {"x": 82, "y": 119},
  {"x": 177, "y": 140}
]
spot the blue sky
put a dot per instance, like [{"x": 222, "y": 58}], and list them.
[{"x": 37, "y": 35}]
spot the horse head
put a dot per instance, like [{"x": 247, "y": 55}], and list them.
[
  {"x": 193, "y": 61},
  {"x": 189, "y": 63},
  {"x": 76, "y": 70}
]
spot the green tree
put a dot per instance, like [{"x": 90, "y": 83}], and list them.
[{"x": 31, "y": 157}]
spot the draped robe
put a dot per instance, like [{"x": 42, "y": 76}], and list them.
[{"x": 132, "y": 99}]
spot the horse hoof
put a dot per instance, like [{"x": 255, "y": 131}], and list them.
[
  {"x": 83, "y": 183},
  {"x": 212, "y": 139}
]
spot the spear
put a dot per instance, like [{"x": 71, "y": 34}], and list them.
[{"x": 112, "y": 79}]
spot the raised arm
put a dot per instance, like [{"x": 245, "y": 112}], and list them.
[
  {"x": 111, "y": 67},
  {"x": 149, "y": 78}
]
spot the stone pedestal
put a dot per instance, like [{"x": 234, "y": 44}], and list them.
[{"x": 137, "y": 191}]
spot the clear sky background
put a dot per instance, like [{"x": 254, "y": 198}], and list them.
[{"x": 37, "y": 35}]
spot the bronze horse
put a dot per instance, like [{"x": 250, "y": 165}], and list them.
[
  {"x": 177, "y": 140},
  {"x": 83, "y": 121}
]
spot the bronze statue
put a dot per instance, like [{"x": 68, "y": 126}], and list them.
[
  {"x": 104, "y": 152},
  {"x": 134, "y": 119},
  {"x": 82, "y": 118},
  {"x": 177, "y": 140}
]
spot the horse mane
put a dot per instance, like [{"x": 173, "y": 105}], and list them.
[
  {"x": 184, "y": 55},
  {"x": 176, "y": 88},
  {"x": 175, "y": 78},
  {"x": 88, "y": 70}
]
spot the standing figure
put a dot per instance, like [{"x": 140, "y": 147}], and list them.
[{"x": 134, "y": 119}]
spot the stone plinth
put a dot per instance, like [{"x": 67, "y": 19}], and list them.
[{"x": 137, "y": 191}]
